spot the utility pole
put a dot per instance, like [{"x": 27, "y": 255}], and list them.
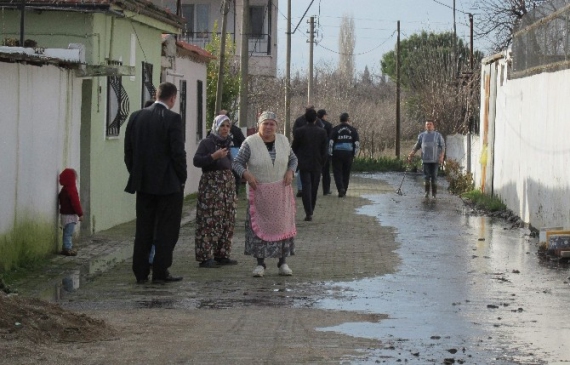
[
  {"x": 179, "y": 13},
  {"x": 222, "y": 59},
  {"x": 454, "y": 37},
  {"x": 288, "y": 75},
  {"x": 244, "y": 69},
  {"x": 398, "y": 126},
  {"x": 470, "y": 86},
  {"x": 312, "y": 42}
]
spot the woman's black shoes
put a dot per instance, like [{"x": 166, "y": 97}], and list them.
[
  {"x": 209, "y": 264},
  {"x": 225, "y": 261}
]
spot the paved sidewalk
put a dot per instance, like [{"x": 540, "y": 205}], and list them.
[
  {"x": 348, "y": 244},
  {"x": 96, "y": 254}
]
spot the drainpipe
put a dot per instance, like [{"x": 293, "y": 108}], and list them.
[{"x": 22, "y": 16}]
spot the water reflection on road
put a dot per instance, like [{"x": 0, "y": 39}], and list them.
[{"x": 470, "y": 289}]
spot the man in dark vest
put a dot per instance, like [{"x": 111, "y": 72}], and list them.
[{"x": 344, "y": 146}]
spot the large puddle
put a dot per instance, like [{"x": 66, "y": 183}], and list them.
[{"x": 470, "y": 289}]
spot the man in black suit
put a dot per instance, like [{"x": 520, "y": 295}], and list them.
[
  {"x": 310, "y": 147},
  {"x": 156, "y": 161}
]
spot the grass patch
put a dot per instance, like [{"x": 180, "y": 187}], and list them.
[
  {"x": 484, "y": 201},
  {"x": 383, "y": 164},
  {"x": 27, "y": 244}
]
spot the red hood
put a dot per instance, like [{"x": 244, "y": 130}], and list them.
[{"x": 67, "y": 177}]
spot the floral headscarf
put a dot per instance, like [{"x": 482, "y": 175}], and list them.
[{"x": 218, "y": 122}]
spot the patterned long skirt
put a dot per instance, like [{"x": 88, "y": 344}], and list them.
[
  {"x": 258, "y": 248},
  {"x": 215, "y": 215}
]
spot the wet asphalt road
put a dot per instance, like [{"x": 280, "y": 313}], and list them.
[
  {"x": 470, "y": 289},
  {"x": 466, "y": 288}
]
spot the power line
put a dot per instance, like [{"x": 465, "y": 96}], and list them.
[
  {"x": 447, "y": 6},
  {"x": 362, "y": 53},
  {"x": 303, "y": 17}
]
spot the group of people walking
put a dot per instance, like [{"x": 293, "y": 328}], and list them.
[{"x": 156, "y": 161}]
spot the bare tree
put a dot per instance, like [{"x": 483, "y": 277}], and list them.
[
  {"x": 346, "y": 43},
  {"x": 497, "y": 19}
]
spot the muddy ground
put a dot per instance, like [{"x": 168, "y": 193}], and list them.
[
  {"x": 219, "y": 316},
  {"x": 378, "y": 278}
]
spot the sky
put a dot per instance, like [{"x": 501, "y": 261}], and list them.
[{"x": 375, "y": 23}]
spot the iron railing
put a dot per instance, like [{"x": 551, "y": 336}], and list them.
[
  {"x": 258, "y": 45},
  {"x": 541, "y": 40}
]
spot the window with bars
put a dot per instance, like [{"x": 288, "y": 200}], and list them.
[
  {"x": 148, "y": 91},
  {"x": 117, "y": 105},
  {"x": 199, "y": 111}
]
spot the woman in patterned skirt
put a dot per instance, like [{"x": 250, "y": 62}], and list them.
[
  {"x": 266, "y": 161},
  {"x": 216, "y": 206}
]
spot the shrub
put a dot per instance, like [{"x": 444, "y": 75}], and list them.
[{"x": 459, "y": 182}]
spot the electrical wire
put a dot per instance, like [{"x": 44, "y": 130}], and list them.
[
  {"x": 362, "y": 53},
  {"x": 303, "y": 17}
]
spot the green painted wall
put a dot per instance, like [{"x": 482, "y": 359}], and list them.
[
  {"x": 51, "y": 29},
  {"x": 103, "y": 173},
  {"x": 109, "y": 204}
]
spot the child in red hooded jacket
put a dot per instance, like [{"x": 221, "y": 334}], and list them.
[{"x": 69, "y": 208}]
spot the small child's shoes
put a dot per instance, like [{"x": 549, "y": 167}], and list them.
[{"x": 70, "y": 252}]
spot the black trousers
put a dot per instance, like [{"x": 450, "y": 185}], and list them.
[
  {"x": 310, "y": 181},
  {"x": 342, "y": 163},
  {"x": 158, "y": 222},
  {"x": 327, "y": 175}
]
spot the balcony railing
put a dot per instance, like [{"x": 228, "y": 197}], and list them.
[{"x": 258, "y": 46}]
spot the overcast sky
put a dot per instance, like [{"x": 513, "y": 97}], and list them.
[{"x": 375, "y": 23}]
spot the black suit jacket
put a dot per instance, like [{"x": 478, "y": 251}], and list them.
[
  {"x": 310, "y": 146},
  {"x": 154, "y": 151},
  {"x": 301, "y": 122}
]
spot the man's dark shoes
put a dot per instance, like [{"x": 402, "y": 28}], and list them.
[
  {"x": 308, "y": 218},
  {"x": 299, "y": 193},
  {"x": 167, "y": 279},
  {"x": 342, "y": 193},
  {"x": 225, "y": 261},
  {"x": 327, "y": 193},
  {"x": 209, "y": 264},
  {"x": 142, "y": 281}
]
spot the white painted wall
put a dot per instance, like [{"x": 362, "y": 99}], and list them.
[
  {"x": 40, "y": 124},
  {"x": 456, "y": 149},
  {"x": 531, "y": 151},
  {"x": 192, "y": 72}
]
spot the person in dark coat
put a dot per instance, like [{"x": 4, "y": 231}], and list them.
[
  {"x": 323, "y": 117},
  {"x": 301, "y": 122},
  {"x": 237, "y": 139},
  {"x": 310, "y": 147},
  {"x": 344, "y": 145},
  {"x": 156, "y": 160}
]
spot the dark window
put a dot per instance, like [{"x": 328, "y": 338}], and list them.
[
  {"x": 148, "y": 89},
  {"x": 117, "y": 105},
  {"x": 188, "y": 15},
  {"x": 197, "y": 18},
  {"x": 256, "y": 15},
  {"x": 199, "y": 111},
  {"x": 182, "y": 99}
]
